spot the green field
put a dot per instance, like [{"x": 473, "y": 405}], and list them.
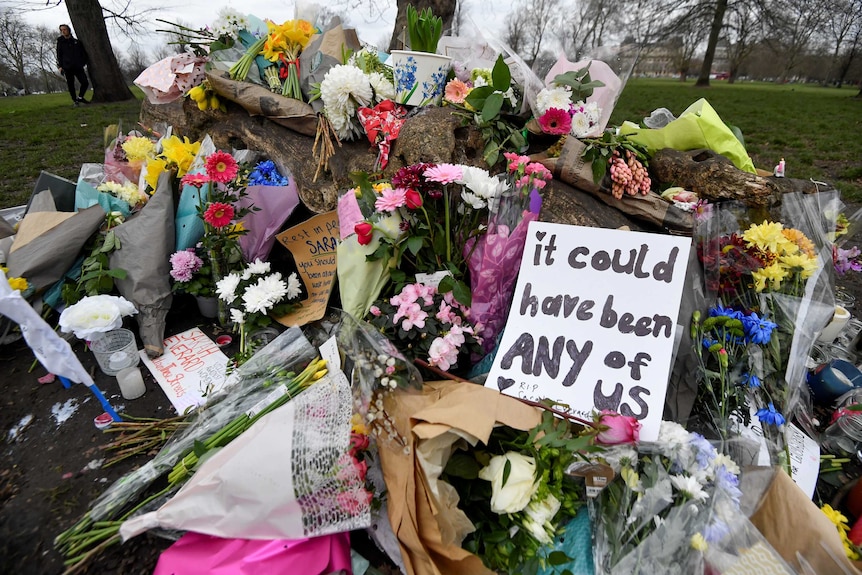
[{"x": 816, "y": 130}]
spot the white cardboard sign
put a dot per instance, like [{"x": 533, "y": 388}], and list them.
[
  {"x": 593, "y": 321},
  {"x": 191, "y": 368}
]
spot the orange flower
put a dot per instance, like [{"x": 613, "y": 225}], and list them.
[
  {"x": 456, "y": 91},
  {"x": 218, "y": 215}
]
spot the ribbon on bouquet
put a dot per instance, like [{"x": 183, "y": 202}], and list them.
[{"x": 382, "y": 123}]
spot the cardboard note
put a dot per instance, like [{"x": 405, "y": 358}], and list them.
[
  {"x": 191, "y": 368},
  {"x": 313, "y": 244},
  {"x": 593, "y": 321}
]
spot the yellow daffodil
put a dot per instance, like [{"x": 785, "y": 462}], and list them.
[
  {"x": 19, "y": 284},
  {"x": 631, "y": 477},
  {"x": 181, "y": 153},
  {"x": 155, "y": 167}
]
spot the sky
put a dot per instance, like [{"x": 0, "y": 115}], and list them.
[{"x": 373, "y": 19}]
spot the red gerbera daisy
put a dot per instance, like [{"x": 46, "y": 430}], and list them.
[
  {"x": 196, "y": 180},
  {"x": 218, "y": 215},
  {"x": 556, "y": 121},
  {"x": 221, "y": 167}
]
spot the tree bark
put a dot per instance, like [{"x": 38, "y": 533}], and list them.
[
  {"x": 714, "y": 31},
  {"x": 104, "y": 71},
  {"x": 445, "y": 9}
]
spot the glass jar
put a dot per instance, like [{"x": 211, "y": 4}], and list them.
[
  {"x": 844, "y": 298},
  {"x": 843, "y": 437},
  {"x": 818, "y": 356}
]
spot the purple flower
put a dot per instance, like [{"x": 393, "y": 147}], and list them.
[{"x": 184, "y": 264}]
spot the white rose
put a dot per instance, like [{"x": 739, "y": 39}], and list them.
[
  {"x": 91, "y": 317},
  {"x": 520, "y": 485}
]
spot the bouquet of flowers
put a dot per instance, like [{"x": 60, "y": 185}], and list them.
[
  {"x": 668, "y": 501},
  {"x": 254, "y": 294},
  {"x": 282, "y": 46},
  {"x": 126, "y": 154},
  {"x": 127, "y": 191},
  {"x": 428, "y": 325},
  {"x": 562, "y": 108},
  {"x": 94, "y": 316},
  {"x": 771, "y": 279}
]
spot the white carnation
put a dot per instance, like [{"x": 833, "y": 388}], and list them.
[{"x": 557, "y": 97}]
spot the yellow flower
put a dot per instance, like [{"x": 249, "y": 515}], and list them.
[
  {"x": 180, "y": 153},
  {"x": 381, "y": 186},
  {"x": 773, "y": 273},
  {"x": 198, "y": 93},
  {"x": 766, "y": 236},
  {"x": 138, "y": 148},
  {"x": 801, "y": 263},
  {"x": 836, "y": 517},
  {"x": 155, "y": 167},
  {"x": 631, "y": 477},
  {"x": 235, "y": 229},
  {"x": 297, "y": 32},
  {"x": 801, "y": 240},
  {"x": 19, "y": 284},
  {"x": 698, "y": 543}
]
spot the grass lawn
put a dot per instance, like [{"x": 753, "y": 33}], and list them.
[{"x": 816, "y": 130}]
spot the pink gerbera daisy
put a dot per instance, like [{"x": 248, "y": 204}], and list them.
[
  {"x": 456, "y": 91},
  {"x": 390, "y": 199},
  {"x": 444, "y": 173},
  {"x": 555, "y": 121},
  {"x": 218, "y": 215},
  {"x": 196, "y": 180},
  {"x": 221, "y": 167}
]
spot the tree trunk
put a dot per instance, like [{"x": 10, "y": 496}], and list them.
[
  {"x": 445, "y": 9},
  {"x": 104, "y": 71},
  {"x": 714, "y": 31}
]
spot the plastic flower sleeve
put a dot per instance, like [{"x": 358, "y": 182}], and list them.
[
  {"x": 244, "y": 388},
  {"x": 87, "y": 195},
  {"x": 189, "y": 225},
  {"x": 275, "y": 205}
]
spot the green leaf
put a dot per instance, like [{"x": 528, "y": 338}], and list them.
[
  {"x": 118, "y": 273},
  {"x": 414, "y": 244},
  {"x": 446, "y": 284},
  {"x": 496, "y": 536},
  {"x": 106, "y": 284},
  {"x": 493, "y": 104},
  {"x": 462, "y": 465},
  {"x": 199, "y": 448},
  {"x": 501, "y": 77},
  {"x": 558, "y": 558},
  {"x": 462, "y": 293},
  {"x": 507, "y": 470}
]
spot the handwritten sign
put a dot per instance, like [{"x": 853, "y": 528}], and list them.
[
  {"x": 804, "y": 452},
  {"x": 313, "y": 244},
  {"x": 191, "y": 368},
  {"x": 593, "y": 321}
]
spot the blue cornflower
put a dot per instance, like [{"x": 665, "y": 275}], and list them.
[
  {"x": 769, "y": 416},
  {"x": 751, "y": 380},
  {"x": 266, "y": 173},
  {"x": 708, "y": 342},
  {"x": 758, "y": 329},
  {"x": 725, "y": 311}
]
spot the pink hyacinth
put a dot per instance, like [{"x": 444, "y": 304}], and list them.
[{"x": 444, "y": 173}]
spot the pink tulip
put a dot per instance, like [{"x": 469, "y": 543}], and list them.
[{"x": 615, "y": 428}]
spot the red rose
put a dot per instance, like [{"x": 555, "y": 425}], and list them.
[
  {"x": 358, "y": 442},
  {"x": 364, "y": 232},
  {"x": 413, "y": 199},
  {"x": 615, "y": 428}
]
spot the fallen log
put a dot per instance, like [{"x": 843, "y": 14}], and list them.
[{"x": 714, "y": 177}]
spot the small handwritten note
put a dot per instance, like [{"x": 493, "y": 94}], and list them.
[
  {"x": 191, "y": 368},
  {"x": 313, "y": 244}
]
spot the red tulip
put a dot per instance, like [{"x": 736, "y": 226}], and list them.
[
  {"x": 364, "y": 232},
  {"x": 413, "y": 199},
  {"x": 615, "y": 428}
]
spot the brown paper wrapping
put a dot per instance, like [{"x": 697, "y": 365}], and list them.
[
  {"x": 571, "y": 167},
  {"x": 260, "y": 101},
  {"x": 795, "y": 527},
  {"x": 431, "y": 420}
]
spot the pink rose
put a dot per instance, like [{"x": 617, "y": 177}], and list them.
[
  {"x": 615, "y": 428},
  {"x": 358, "y": 442}
]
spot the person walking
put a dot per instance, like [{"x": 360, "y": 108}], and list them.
[{"x": 71, "y": 59}]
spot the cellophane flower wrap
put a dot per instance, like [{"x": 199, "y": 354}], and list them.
[
  {"x": 669, "y": 500},
  {"x": 494, "y": 258},
  {"x": 774, "y": 282}
]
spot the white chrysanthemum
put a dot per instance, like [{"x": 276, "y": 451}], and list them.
[
  {"x": 593, "y": 112},
  {"x": 673, "y": 433},
  {"x": 344, "y": 89},
  {"x": 473, "y": 200},
  {"x": 294, "y": 288},
  {"x": 557, "y": 97},
  {"x": 226, "y": 287},
  {"x": 383, "y": 88},
  {"x": 237, "y": 316},
  {"x": 479, "y": 81},
  {"x": 480, "y": 182},
  {"x": 268, "y": 291},
  {"x": 229, "y": 22},
  {"x": 580, "y": 125},
  {"x": 689, "y": 486},
  {"x": 258, "y": 267}
]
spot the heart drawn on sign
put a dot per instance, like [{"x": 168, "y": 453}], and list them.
[
  {"x": 504, "y": 383},
  {"x": 540, "y": 235}
]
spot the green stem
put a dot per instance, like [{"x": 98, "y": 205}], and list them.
[{"x": 448, "y": 239}]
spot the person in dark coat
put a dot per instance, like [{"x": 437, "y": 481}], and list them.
[{"x": 71, "y": 59}]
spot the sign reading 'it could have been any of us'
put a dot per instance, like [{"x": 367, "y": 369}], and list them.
[{"x": 593, "y": 321}]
